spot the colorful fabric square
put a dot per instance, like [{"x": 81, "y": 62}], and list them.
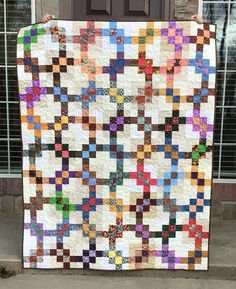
[{"x": 117, "y": 133}]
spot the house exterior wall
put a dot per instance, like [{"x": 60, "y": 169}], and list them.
[
  {"x": 43, "y": 7},
  {"x": 183, "y": 10},
  {"x": 223, "y": 196},
  {"x": 223, "y": 199}
]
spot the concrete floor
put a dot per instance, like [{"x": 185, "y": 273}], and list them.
[{"x": 66, "y": 281}]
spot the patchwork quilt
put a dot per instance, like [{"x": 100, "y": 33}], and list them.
[{"x": 117, "y": 133}]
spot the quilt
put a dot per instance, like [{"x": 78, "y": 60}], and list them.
[{"x": 117, "y": 133}]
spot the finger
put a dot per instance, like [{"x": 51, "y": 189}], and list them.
[
  {"x": 50, "y": 17},
  {"x": 45, "y": 18},
  {"x": 201, "y": 20},
  {"x": 197, "y": 18}
]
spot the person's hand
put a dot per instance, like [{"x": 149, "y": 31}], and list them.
[
  {"x": 197, "y": 18},
  {"x": 47, "y": 17}
]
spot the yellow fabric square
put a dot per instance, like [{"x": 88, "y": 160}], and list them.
[
  {"x": 120, "y": 98},
  {"x": 118, "y": 260},
  {"x": 147, "y": 148},
  {"x": 64, "y": 119},
  {"x": 65, "y": 174},
  {"x": 57, "y": 126},
  {"x": 85, "y": 227},
  {"x": 142, "y": 32},
  {"x": 140, "y": 155},
  {"x": 113, "y": 91},
  {"x": 58, "y": 181},
  {"x": 112, "y": 254},
  {"x": 92, "y": 234}
]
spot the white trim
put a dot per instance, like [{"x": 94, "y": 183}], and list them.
[
  {"x": 228, "y": 70},
  {"x": 10, "y": 176},
  {"x": 10, "y": 101},
  {"x": 224, "y": 181},
  {"x": 33, "y": 10},
  {"x": 226, "y": 106},
  {"x": 225, "y": 144},
  {"x": 8, "y": 32},
  {"x": 10, "y": 66},
  {"x": 4, "y": 139},
  {"x": 200, "y": 7}
]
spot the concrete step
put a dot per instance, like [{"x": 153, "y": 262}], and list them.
[
  {"x": 222, "y": 255},
  {"x": 49, "y": 281}
]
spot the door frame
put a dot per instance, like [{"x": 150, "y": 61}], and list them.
[{"x": 66, "y": 9}]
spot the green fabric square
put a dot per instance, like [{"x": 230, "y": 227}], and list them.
[
  {"x": 20, "y": 40},
  {"x": 27, "y": 47}
]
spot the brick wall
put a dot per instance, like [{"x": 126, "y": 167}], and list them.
[
  {"x": 184, "y": 9},
  {"x": 11, "y": 197}
]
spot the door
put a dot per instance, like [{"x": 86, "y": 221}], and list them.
[{"x": 117, "y": 10}]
